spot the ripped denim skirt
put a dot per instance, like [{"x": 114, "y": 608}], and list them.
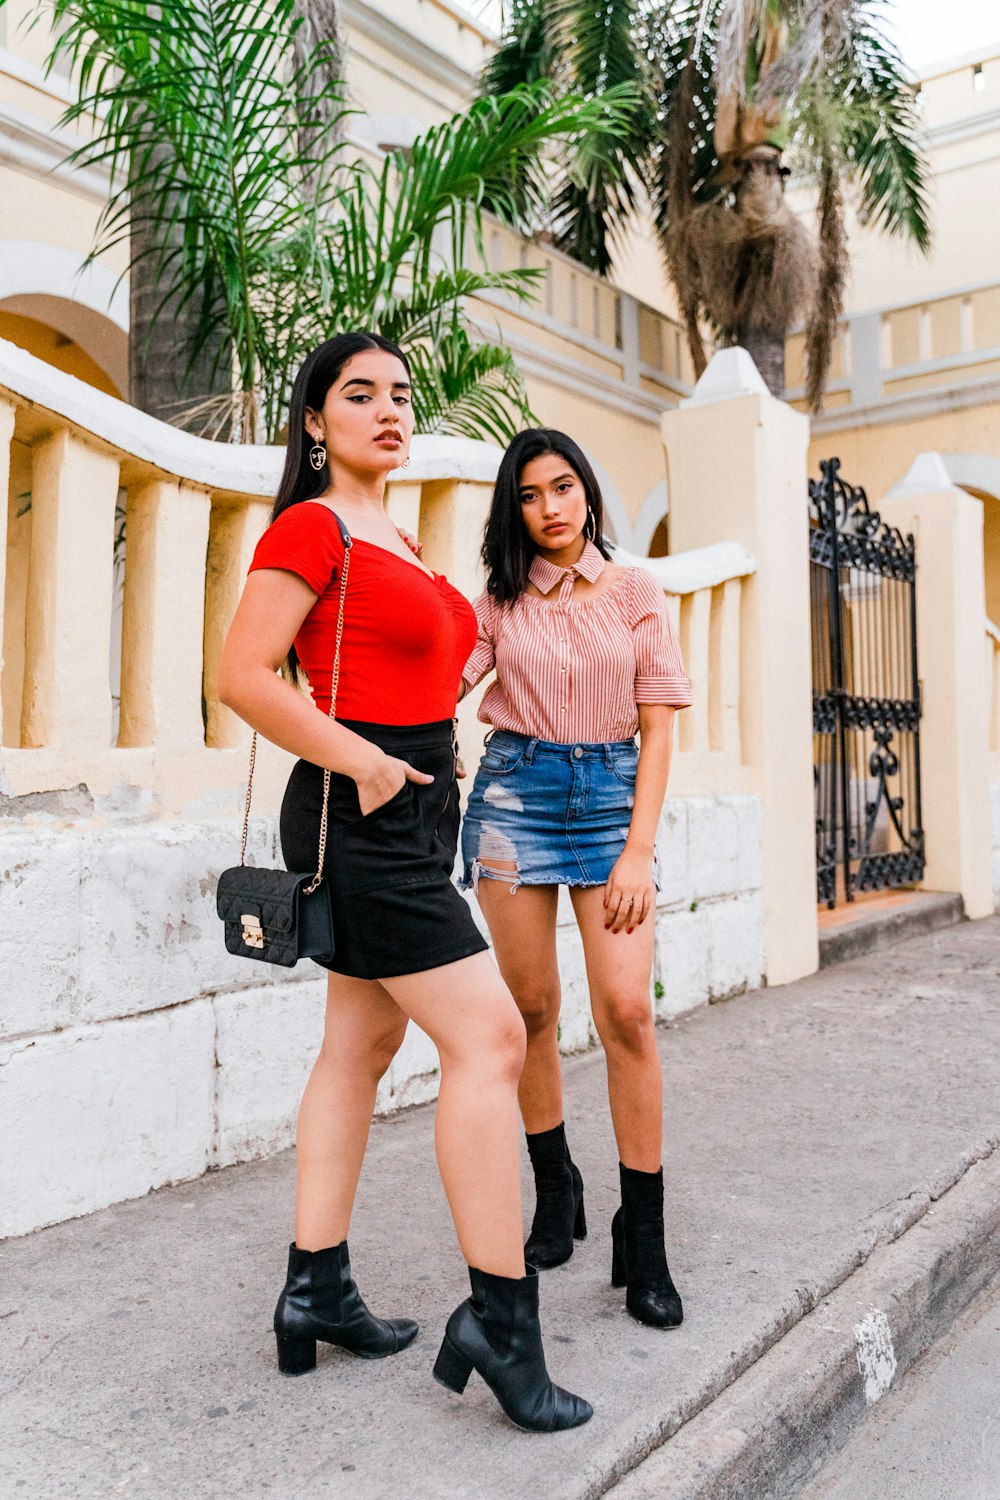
[{"x": 541, "y": 813}]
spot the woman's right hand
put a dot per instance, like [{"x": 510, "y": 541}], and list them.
[{"x": 387, "y": 777}]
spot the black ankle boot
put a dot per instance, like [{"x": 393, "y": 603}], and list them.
[
  {"x": 320, "y": 1301},
  {"x": 638, "y": 1259},
  {"x": 559, "y": 1213},
  {"x": 497, "y": 1332}
]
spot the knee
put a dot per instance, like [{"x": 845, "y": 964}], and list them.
[
  {"x": 369, "y": 1058},
  {"x": 506, "y": 1045},
  {"x": 539, "y": 1009},
  {"x": 383, "y": 1050},
  {"x": 626, "y": 1024}
]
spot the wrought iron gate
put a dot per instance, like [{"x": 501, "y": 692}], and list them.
[{"x": 866, "y": 694}]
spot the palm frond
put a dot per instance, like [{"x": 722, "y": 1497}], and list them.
[
  {"x": 527, "y": 52},
  {"x": 881, "y": 134},
  {"x": 469, "y": 389}
]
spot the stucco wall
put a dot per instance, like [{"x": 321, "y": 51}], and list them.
[
  {"x": 136, "y": 1052},
  {"x": 995, "y": 835}
]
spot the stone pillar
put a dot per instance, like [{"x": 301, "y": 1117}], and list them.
[
  {"x": 452, "y": 516},
  {"x": 67, "y": 694},
  {"x": 163, "y": 615},
  {"x": 737, "y": 471},
  {"x": 947, "y": 524}
]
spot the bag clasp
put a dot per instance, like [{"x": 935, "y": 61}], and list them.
[{"x": 253, "y": 933}]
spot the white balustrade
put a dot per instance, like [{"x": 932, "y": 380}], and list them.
[
  {"x": 891, "y": 353},
  {"x": 75, "y": 459}
]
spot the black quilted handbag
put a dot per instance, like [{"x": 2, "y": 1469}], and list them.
[{"x": 277, "y": 916}]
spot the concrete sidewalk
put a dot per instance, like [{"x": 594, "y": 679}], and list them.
[{"x": 807, "y": 1126}]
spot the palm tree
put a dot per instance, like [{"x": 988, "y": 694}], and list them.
[
  {"x": 732, "y": 88},
  {"x": 164, "y": 379},
  {"x": 235, "y": 191}
]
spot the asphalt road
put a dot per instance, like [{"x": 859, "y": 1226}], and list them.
[{"x": 937, "y": 1435}]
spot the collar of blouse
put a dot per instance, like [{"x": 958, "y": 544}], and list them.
[{"x": 545, "y": 575}]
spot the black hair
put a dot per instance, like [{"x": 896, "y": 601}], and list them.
[
  {"x": 507, "y": 548},
  {"x": 299, "y": 480}
]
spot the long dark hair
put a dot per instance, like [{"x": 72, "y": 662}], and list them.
[
  {"x": 299, "y": 480},
  {"x": 507, "y": 548}
]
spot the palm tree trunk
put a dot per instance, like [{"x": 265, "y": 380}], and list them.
[
  {"x": 768, "y": 353},
  {"x": 162, "y": 379}
]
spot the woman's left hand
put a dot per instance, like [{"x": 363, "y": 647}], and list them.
[
  {"x": 628, "y": 895},
  {"x": 415, "y": 547}
]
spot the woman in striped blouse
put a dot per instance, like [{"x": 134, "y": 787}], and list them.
[{"x": 584, "y": 656}]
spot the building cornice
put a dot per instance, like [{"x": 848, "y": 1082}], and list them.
[
  {"x": 378, "y": 27},
  {"x": 956, "y": 64},
  {"x": 910, "y": 408},
  {"x": 968, "y": 128},
  {"x": 31, "y": 145},
  {"x": 12, "y": 65}
]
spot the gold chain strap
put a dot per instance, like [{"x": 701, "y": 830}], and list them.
[{"x": 334, "y": 684}]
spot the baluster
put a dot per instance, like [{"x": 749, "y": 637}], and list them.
[
  {"x": 629, "y": 334},
  {"x": 696, "y": 614},
  {"x": 233, "y": 533},
  {"x": 724, "y": 669},
  {"x": 163, "y": 615},
  {"x": 67, "y": 695}
]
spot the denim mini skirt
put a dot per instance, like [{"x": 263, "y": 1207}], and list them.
[{"x": 548, "y": 814}]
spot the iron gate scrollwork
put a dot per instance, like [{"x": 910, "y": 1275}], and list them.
[{"x": 866, "y": 694}]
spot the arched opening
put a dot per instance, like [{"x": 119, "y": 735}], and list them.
[
  {"x": 70, "y": 313},
  {"x": 659, "y": 542},
  {"x": 72, "y": 338}
]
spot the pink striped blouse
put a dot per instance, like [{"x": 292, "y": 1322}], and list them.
[{"x": 574, "y": 670}]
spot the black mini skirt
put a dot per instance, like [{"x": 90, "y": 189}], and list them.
[{"x": 389, "y": 872}]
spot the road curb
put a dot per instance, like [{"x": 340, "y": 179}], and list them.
[{"x": 763, "y": 1436}]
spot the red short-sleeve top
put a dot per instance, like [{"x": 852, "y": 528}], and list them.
[{"x": 407, "y": 632}]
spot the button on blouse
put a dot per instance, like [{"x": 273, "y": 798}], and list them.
[{"x": 572, "y": 669}]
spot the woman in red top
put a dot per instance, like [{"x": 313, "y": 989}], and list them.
[{"x": 406, "y": 945}]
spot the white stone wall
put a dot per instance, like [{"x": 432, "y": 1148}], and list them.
[
  {"x": 995, "y": 841},
  {"x": 134, "y": 1051}
]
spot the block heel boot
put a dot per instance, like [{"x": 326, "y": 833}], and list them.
[
  {"x": 559, "y": 1213},
  {"x": 497, "y": 1332},
  {"x": 638, "y": 1257},
  {"x": 321, "y": 1302}
]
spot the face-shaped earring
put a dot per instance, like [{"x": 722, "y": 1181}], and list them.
[{"x": 317, "y": 456}]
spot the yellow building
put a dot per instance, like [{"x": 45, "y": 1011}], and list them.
[
  {"x": 152, "y": 1052},
  {"x": 917, "y": 366}
]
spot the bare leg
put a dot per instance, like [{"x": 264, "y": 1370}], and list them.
[
  {"x": 467, "y": 1011},
  {"x": 523, "y": 927},
  {"x": 364, "y": 1030},
  {"x": 619, "y": 966}
]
